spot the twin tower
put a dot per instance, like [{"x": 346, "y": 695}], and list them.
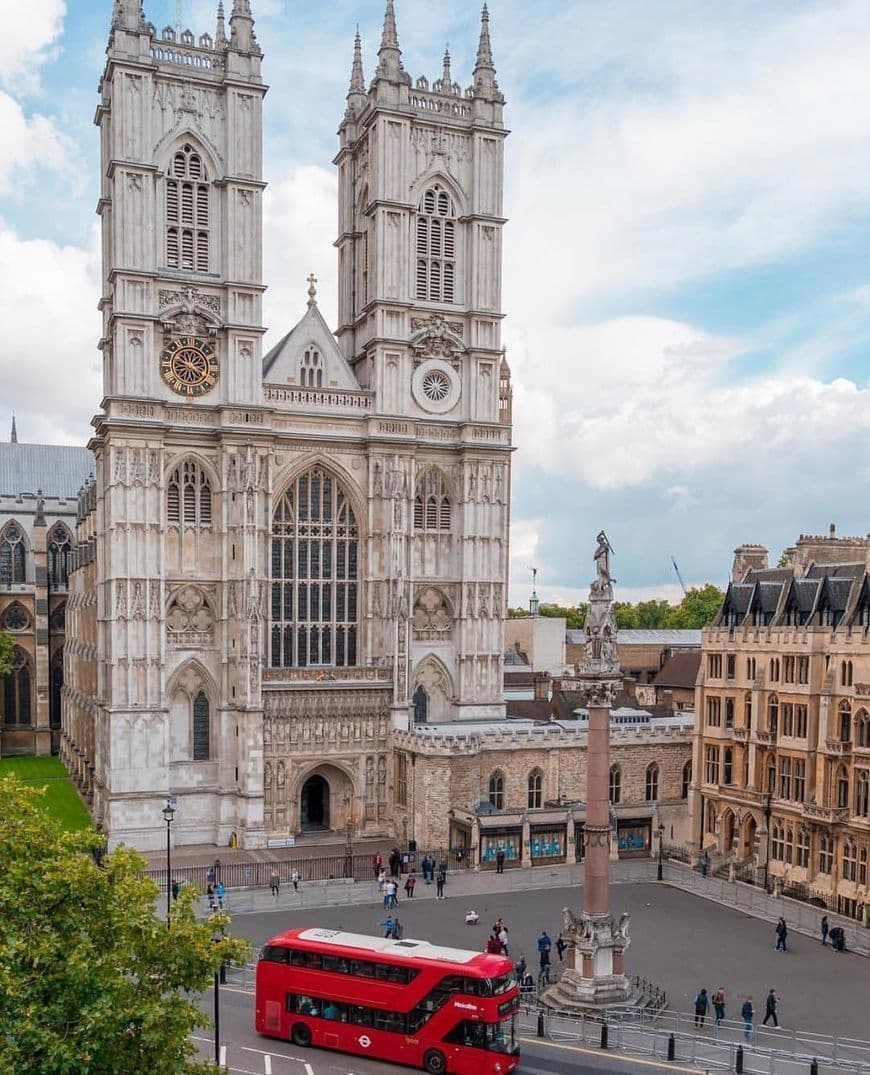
[{"x": 283, "y": 559}]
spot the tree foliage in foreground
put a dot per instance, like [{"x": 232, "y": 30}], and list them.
[
  {"x": 92, "y": 982},
  {"x": 697, "y": 609},
  {"x": 6, "y": 648}
]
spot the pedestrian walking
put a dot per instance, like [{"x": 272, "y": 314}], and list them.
[
  {"x": 398, "y": 929},
  {"x": 544, "y": 972},
  {"x": 295, "y": 878},
  {"x": 442, "y": 879},
  {"x": 770, "y": 1006},
  {"x": 560, "y": 949},
  {"x": 388, "y": 925},
  {"x": 410, "y": 885},
  {"x": 219, "y": 891},
  {"x": 395, "y": 862},
  {"x": 503, "y": 938},
  {"x": 210, "y": 893},
  {"x": 274, "y": 882},
  {"x": 781, "y": 936},
  {"x": 493, "y": 945},
  {"x": 377, "y": 863},
  {"x": 544, "y": 944},
  {"x": 521, "y": 967},
  {"x": 499, "y": 861},
  {"x": 824, "y": 929},
  {"x": 382, "y": 880},
  {"x": 702, "y": 1003},
  {"x": 719, "y": 1004},
  {"x": 705, "y": 863},
  {"x": 176, "y": 888},
  {"x": 747, "y": 1013},
  {"x": 838, "y": 939}
]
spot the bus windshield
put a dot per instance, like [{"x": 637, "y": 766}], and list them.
[{"x": 496, "y": 1037}]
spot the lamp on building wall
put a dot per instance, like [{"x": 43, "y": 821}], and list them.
[{"x": 168, "y": 817}]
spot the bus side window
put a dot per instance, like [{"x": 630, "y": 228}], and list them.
[
  {"x": 359, "y": 1015},
  {"x": 313, "y": 960},
  {"x": 275, "y": 954},
  {"x": 452, "y": 984},
  {"x": 336, "y": 964},
  {"x": 298, "y": 959},
  {"x": 362, "y": 968}
]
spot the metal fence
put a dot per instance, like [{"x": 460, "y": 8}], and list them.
[{"x": 341, "y": 865}]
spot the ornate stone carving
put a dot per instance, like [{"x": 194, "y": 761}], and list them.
[
  {"x": 432, "y": 618},
  {"x": 189, "y": 298},
  {"x": 435, "y": 337},
  {"x": 190, "y": 620}
]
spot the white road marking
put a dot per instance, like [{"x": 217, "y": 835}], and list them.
[
  {"x": 309, "y": 1070},
  {"x": 267, "y": 1060},
  {"x": 272, "y": 1052},
  {"x": 223, "y": 1056}
]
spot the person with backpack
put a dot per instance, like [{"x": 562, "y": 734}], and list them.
[
  {"x": 702, "y": 1003},
  {"x": 442, "y": 880},
  {"x": 719, "y": 1004},
  {"x": 219, "y": 891},
  {"x": 410, "y": 885},
  {"x": 274, "y": 882},
  {"x": 295, "y": 878},
  {"x": 747, "y": 1013},
  {"x": 388, "y": 925},
  {"x": 770, "y": 1006}
]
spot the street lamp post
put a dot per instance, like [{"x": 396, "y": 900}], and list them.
[
  {"x": 660, "y": 874},
  {"x": 168, "y": 817},
  {"x": 768, "y": 799},
  {"x": 219, "y": 977}
]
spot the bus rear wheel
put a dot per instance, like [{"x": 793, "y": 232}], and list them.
[
  {"x": 434, "y": 1062},
  {"x": 301, "y": 1035}
]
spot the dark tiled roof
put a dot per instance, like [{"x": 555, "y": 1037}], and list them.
[
  {"x": 738, "y": 598},
  {"x": 770, "y": 574},
  {"x": 59, "y": 470},
  {"x": 803, "y": 594},
  {"x": 851, "y": 571},
  {"x": 528, "y": 709},
  {"x": 681, "y": 670},
  {"x": 768, "y": 597}
]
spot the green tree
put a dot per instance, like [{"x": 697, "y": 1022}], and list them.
[
  {"x": 698, "y": 607},
  {"x": 574, "y": 616},
  {"x": 91, "y": 980},
  {"x": 6, "y": 647}
]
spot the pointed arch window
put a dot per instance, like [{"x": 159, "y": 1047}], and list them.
[
  {"x": 652, "y": 783},
  {"x": 59, "y": 554},
  {"x": 432, "y": 507},
  {"x": 535, "y": 789},
  {"x": 188, "y": 496},
  {"x": 845, "y": 728},
  {"x": 615, "y": 784},
  {"x": 315, "y": 575},
  {"x": 13, "y": 556},
  {"x": 56, "y": 689},
  {"x": 187, "y": 212},
  {"x": 862, "y": 793},
  {"x": 420, "y": 703},
  {"x": 686, "y": 782},
  {"x": 496, "y": 791},
  {"x": 15, "y": 618},
  {"x": 436, "y": 246},
  {"x": 311, "y": 369},
  {"x": 201, "y": 709},
  {"x": 17, "y": 693}
]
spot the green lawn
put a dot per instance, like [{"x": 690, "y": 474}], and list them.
[{"x": 61, "y": 798}]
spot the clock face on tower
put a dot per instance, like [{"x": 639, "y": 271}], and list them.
[{"x": 189, "y": 366}]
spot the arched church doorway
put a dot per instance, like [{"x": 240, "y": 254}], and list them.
[
  {"x": 314, "y": 804},
  {"x": 727, "y": 832},
  {"x": 749, "y": 833}
]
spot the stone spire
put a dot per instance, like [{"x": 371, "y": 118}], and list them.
[
  {"x": 312, "y": 289},
  {"x": 220, "y": 36},
  {"x": 242, "y": 36},
  {"x": 13, "y": 439},
  {"x": 446, "y": 74},
  {"x": 485, "y": 84},
  {"x": 389, "y": 54},
  {"x": 128, "y": 15},
  {"x": 356, "y": 94}
]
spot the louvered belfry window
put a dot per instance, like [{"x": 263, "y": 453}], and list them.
[
  {"x": 187, "y": 213},
  {"x": 201, "y": 727},
  {"x": 315, "y": 575},
  {"x": 432, "y": 509},
  {"x": 436, "y": 246},
  {"x": 188, "y": 496}
]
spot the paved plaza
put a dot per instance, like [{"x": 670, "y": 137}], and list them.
[{"x": 679, "y": 941}]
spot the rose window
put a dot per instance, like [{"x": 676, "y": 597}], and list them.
[{"x": 436, "y": 386}]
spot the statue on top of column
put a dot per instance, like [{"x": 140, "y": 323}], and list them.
[
  {"x": 600, "y": 655},
  {"x": 604, "y": 581}
]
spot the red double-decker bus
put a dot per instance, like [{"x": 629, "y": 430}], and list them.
[{"x": 448, "y": 1011}]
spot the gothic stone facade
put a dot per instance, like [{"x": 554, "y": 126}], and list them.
[
  {"x": 282, "y": 556},
  {"x": 782, "y": 753}
]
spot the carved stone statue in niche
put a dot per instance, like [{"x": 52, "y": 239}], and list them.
[{"x": 432, "y": 618}]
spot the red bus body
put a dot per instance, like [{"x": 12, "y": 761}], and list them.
[{"x": 441, "y": 1009}]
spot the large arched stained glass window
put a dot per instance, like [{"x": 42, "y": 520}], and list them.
[
  {"x": 315, "y": 575},
  {"x": 17, "y": 695}
]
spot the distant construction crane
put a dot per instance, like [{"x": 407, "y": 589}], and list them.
[{"x": 679, "y": 576}]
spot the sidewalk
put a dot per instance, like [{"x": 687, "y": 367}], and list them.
[{"x": 305, "y": 847}]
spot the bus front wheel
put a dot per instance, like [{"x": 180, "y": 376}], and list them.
[
  {"x": 301, "y": 1035},
  {"x": 434, "y": 1062}
]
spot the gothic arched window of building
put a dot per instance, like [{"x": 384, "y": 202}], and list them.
[
  {"x": 13, "y": 556},
  {"x": 59, "y": 554},
  {"x": 773, "y": 714},
  {"x": 432, "y": 508},
  {"x": 826, "y": 854},
  {"x": 315, "y": 575},
  {"x": 615, "y": 784},
  {"x": 862, "y": 793},
  {"x": 15, "y": 618},
  {"x": 652, "y": 783},
  {"x": 201, "y": 727},
  {"x": 187, "y": 212},
  {"x": 436, "y": 246},
  {"x": 17, "y": 690},
  {"x": 747, "y": 710},
  {"x": 846, "y": 673},
  {"x": 686, "y": 780},
  {"x": 535, "y": 789},
  {"x": 850, "y": 859},
  {"x": 777, "y": 842},
  {"x": 496, "y": 790},
  {"x": 862, "y": 728},
  {"x": 188, "y": 496},
  {"x": 842, "y": 787},
  {"x": 728, "y": 766},
  {"x": 56, "y": 688},
  {"x": 311, "y": 369},
  {"x": 845, "y": 729},
  {"x": 802, "y": 855}
]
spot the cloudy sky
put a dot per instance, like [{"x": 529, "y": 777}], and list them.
[{"x": 686, "y": 281}]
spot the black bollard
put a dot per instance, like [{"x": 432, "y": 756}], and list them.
[
  {"x": 604, "y": 1035},
  {"x": 738, "y": 1061},
  {"x": 672, "y": 1047},
  {"x": 541, "y": 1025},
  {"x": 814, "y": 1067}
]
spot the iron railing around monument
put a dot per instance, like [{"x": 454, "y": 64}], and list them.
[{"x": 677, "y": 852}]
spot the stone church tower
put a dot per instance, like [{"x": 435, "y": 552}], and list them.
[{"x": 283, "y": 560}]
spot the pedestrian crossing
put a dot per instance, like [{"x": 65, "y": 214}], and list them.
[{"x": 248, "y": 1060}]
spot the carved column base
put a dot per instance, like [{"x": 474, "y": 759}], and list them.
[{"x": 594, "y": 978}]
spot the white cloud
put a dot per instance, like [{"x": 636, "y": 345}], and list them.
[
  {"x": 30, "y": 31},
  {"x": 29, "y": 143},
  {"x": 49, "y": 364}
]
